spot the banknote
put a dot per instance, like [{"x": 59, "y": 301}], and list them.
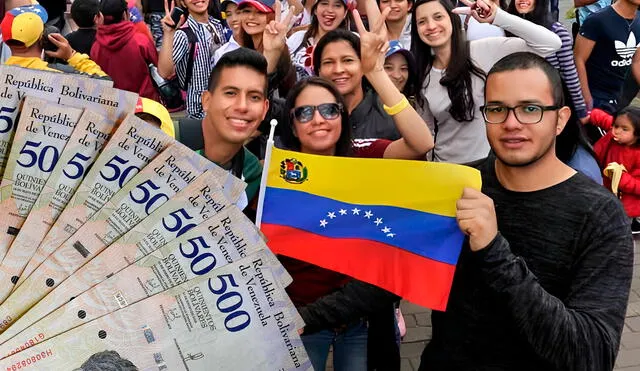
[
  {"x": 227, "y": 319},
  {"x": 87, "y": 139},
  {"x": 200, "y": 200},
  {"x": 61, "y": 88},
  {"x": 173, "y": 169},
  {"x": 133, "y": 145},
  {"x": 167, "y": 267},
  {"x": 42, "y": 133}
]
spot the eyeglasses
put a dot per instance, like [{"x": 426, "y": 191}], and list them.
[
  {"x": 329, "y": 111},
  {"x": 525, "y": 113}
]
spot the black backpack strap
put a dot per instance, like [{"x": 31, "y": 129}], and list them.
[
  {"x": 190, "y": 133},
  {"x": 192, "y": 40},
  {"x": 237, "y": 164}
]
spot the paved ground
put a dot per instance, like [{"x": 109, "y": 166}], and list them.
[{"x": 418, "y": 323}]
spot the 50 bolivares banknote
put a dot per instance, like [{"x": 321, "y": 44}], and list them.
[{"x": 130, "y": 248}]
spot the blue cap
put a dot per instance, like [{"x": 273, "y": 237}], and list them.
[
  {"x": 33, "y": 8},
  {"x": 396, "y": 47},
  {"x": 225, "y": 3}
]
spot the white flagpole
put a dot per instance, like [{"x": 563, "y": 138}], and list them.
[{"x": 265, "y": 172}]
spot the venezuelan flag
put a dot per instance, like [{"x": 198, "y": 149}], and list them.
[{"x": 390, "y": 223}]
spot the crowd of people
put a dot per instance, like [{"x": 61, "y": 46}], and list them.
[{"x": 544, "y": 112}]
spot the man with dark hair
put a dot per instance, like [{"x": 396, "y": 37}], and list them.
[
  {"x": 124, "y": 53},
  {"x": 235, "y": 104},
  {"x": 86, "y": 15},
  {"x": 543, "y": 280},
  {"x": 23, "y": 31}
]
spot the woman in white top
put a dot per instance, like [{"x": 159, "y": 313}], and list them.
[
  {"x": 326, "y": 15},
  {"x": 452, "y": 71}
]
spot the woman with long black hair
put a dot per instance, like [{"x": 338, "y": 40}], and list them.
[{"x": 452, "y": 70}]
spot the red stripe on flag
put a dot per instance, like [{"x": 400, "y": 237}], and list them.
[{"x": 420, "y": 280}]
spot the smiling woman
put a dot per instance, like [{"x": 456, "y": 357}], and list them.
[
  {"x": 255, "y": 16},
  {"x": 326, "y": 15},
  {"x": 452, "y": 71}
]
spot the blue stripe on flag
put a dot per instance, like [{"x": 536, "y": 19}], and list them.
[{"x": 432, "y": 236}]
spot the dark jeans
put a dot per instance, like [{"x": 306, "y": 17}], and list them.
[{"x": 349, "y": 348}]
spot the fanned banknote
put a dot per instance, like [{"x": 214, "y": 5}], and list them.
[
  {"x": 87, "y": 139},
  {"x": 134, "y": 144},
  {"x": 60, "y": 88},
  {"x": 201, "y": 199},
  {"x": 173, "y": 169},
  {"x": 124, "y": 245},
  {"x": 232, "y": 318},
  {"x": 41, "y": 135},
  {"x": 223, "y": 239}
]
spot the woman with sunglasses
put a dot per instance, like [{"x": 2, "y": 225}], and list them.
[
  {"x": 339, "y": 311},
  {"x": 326, "y": 15}
]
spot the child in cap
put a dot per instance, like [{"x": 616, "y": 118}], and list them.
[
  {"x": 231, "y": 14},
  {"x": 401, "y": 68}
]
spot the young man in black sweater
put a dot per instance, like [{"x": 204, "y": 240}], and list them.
[{"x": 544, "y": 281}]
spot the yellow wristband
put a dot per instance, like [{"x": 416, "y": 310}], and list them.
[{"x": 397, "y": 108}]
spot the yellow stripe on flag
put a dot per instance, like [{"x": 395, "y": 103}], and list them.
[{"x": 419, "y": 185}]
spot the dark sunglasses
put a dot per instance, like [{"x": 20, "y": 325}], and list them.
[{"x": 329, "y": 111}]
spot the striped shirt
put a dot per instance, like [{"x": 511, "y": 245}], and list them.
[
  {"x": 210, "y": 37},
  {"x": 563, "y": 61}
]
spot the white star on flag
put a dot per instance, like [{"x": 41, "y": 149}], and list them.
[
  {"x": 378, "y": 221},
  {"x": 331, "y": 214},
  {"x": 356, "y": 211},
  {"x": 323, "y": 223},
  {"x": 343, "y": 212},
  {"x": 386, "y": 229},
  {"x": 368, "y": 214},
  {"x": 391, "y": 235}
]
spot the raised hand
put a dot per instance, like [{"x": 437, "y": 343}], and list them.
[
  {"x": 274, "y": 37},
  {"x": 481, "y": 10},
  {"x": 168, "y": 25},
  {"x": 374, "y": 43}
]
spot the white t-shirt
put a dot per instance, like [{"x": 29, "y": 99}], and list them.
[
  {"x": 477, "y": 30},
  {"x": 405, "y": 38},
  {"x": 229, "y": 46}
]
